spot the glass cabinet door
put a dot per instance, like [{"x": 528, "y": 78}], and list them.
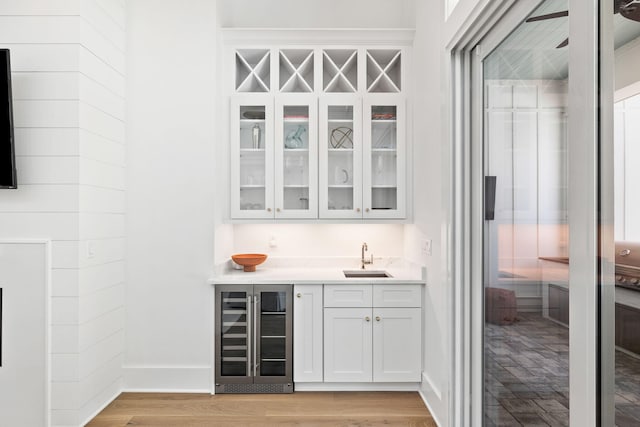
[
  {"x": 233, "y": 358},
  {"x": 252, "y": 157},
  {"x": 340, "y": 157},
  {"x": 384, "y": 158},
  {"x": 296, "y": 163},
  {"x": 274, "y": 328}
]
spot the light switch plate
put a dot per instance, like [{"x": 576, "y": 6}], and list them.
[{"x": 426, "y": 247}]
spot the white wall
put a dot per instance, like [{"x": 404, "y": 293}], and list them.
[
  {"x": 321, "y": 240},
  {"x": 431, "y": 201},
  {"x": 171, "y": 181},
  {"x": 68, "y": 70},
  {"x": 101, "y": 168},
  {"x": 317, "y": 14}
]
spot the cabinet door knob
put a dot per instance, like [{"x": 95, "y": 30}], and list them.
[
  {"x": 268, "y": 209},
  {"x": 367, "y": 318},
  {"x": 277, "y": 209},
  {"x": 377, "y": 318},
  {"x": 366, "y": 210},
  {"x": 299, "y": 295},
  {"x": 357, "y": 209}
]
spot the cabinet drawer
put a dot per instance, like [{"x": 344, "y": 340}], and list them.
[
  {"x": 347, "y": 295},
  {"x": 397, "y": 295}
]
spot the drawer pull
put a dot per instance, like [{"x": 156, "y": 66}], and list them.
[
  {"x": 368, "y": 319},
  {"x": 377, "y": 318}
]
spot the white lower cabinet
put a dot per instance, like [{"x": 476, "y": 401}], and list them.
[
  {"x": 347, "y": 345},
  {"x": 307, "y": 333},
  {"x": 379, "y": 344},
  {"x": 396, "y": 344}
]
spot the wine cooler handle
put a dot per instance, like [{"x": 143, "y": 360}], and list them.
[
  {"x": 249, "y": 334},
  {"x": 255, "y": 330}
]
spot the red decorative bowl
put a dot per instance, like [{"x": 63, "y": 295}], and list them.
[{"x": 249, "y": 261}]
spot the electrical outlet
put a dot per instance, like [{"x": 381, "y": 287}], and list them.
[
  {"x": 90, "y": 249},
  {"x": 273, "y": 243},
  {"x": 426, "y": 247}
]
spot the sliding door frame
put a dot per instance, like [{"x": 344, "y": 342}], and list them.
[{"x": 590, "y": 104}]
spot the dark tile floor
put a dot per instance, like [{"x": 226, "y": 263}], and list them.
[{"x": 527, "y": 376}]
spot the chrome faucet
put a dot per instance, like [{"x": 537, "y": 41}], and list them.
[{"x": 365, "y": 261}]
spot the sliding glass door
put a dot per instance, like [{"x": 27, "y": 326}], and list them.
[
  {"x": 526, "y": 283},
  {"x": 620, "y": 297},
  {"x": 541, "y": 282}
]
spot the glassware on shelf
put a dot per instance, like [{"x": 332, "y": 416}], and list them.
[
  {"x": 341, "y": 137},
  {"x": 255, "y": 134},
  {"x": 294, "y": 138}
]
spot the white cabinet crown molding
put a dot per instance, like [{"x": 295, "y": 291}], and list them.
[{"x": 318, "y": 36}]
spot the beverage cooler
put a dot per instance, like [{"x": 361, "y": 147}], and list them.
[{"x": 253, "y": 344}]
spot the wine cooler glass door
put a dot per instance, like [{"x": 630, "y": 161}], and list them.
[
  {"x": 234, "y": 352},
  {"x": 273, "y": 347}
]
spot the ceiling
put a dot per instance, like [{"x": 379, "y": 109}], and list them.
[{"x": 530, "y": 52}]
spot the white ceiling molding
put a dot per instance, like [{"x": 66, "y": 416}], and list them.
[{"x": 326, "y": 37}]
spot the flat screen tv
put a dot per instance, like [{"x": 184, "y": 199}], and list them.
[{"x": 8, "y": 177}]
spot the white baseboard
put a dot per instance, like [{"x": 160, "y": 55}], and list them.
[
  {"x": 426, "y": 381},
  {"x": 429, "y": 388},
  {"x": 426, "y": 403},
  {"x": 167, "y": 379},
  {"x": 356, "y": 387},
  {"x": 107, "y": 403}
]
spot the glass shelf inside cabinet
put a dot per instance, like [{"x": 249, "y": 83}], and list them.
[
  {"x": 384, "y": 157},
  {"x": 273, "y": 331},
  {"x": 340, "y": 70},
  {"x": 296, "y": 70},
  {"x": 252, "y": 157},
  {"x": 234, "y": 334},
  {"x": 296, "y": 127},
  {"x": 383, "y": 70},
  {"x": 340, "y": 179},
  {"x": 252, "y": 70},
  {"x": 384, "y": 128},
  {"x": 340, "y": 127},
  {"x": 340, "y": 157},
  {"x": 296, "y": 157}
]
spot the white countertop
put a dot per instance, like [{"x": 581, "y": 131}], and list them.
[{"x": 305, "y": 270}]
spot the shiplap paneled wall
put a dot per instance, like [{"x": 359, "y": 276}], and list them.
[
  {"x": 68, "y": 83},
  {"x": 102, "y": 204}
]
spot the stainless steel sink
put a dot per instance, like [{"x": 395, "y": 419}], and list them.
[{"x": 365, "y": 274}]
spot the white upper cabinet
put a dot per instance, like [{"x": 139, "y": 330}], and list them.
[
  {"x": 296, "y": 70},
  {"x": 384, "y": 70},
  {"x": 318, "y": 132},
  {"x": 340, "y": 156},
  {"x": 253, "y": 70},
  {"x": 384, "y": 163},
  {"x": 251, "y": 157},
  {"x": 296, "y": 156},
  {"x": 340, "y": 70}
]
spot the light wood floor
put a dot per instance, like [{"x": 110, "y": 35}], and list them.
[{"x": 298, "y": 409}]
